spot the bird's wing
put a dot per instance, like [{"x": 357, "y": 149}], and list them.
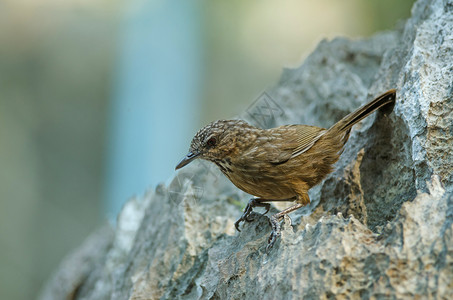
[{"x": 292, "y": 140}]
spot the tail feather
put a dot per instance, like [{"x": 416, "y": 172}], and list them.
[{"x": 347, "y": 122}]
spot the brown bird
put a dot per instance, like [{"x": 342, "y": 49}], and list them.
[{"x": 278, "y": 164}]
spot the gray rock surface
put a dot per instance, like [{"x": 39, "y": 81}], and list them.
[{"x": 379, "y": 227}]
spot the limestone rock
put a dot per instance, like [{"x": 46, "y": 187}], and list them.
[{"x": 380, "y": 226}]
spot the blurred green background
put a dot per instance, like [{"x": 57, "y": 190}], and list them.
[{"x": 66, "y": 69}]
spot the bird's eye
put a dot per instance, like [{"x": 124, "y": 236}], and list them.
[{"x": 211, "y": 142}]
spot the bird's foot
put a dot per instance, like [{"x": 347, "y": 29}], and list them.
[
  {"x": 276, "y": 231},
  {"x": 249, "y": 209},
  {"x": 275, "y": 223}
]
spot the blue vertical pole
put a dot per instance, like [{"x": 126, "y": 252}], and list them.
[{"x": 155, "y": 101}]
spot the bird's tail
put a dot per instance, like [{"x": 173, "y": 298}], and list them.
[{"x": 347, "y": 122}]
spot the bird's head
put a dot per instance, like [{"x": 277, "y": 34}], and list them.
[{"x": 217, "y": 140}]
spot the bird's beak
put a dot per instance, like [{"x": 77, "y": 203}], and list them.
[{"x": 187, "y": 159}]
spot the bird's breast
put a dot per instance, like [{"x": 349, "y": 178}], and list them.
[{"x": 256, "y": 180}]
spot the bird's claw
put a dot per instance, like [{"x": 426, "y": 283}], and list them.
[
  {"x": 249, "y": 219},
  {"x": 236, "y": 224},
  {"x": 245, "y": 216},
  {"x": 248, "y": 210},
  {"x": 275, "y": 234}
]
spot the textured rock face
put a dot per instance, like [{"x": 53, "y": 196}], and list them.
[{"x": 380, "y": 226}]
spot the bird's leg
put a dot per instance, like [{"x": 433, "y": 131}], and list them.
[
  {"x": 253, "y": 203},
  {"x": 275, "y": 223},
  {"x": 249, "y": 208},
  {"x": 267, "y": 206}
]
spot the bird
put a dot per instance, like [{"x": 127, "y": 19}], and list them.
[{"x": 276, "y": 164}]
